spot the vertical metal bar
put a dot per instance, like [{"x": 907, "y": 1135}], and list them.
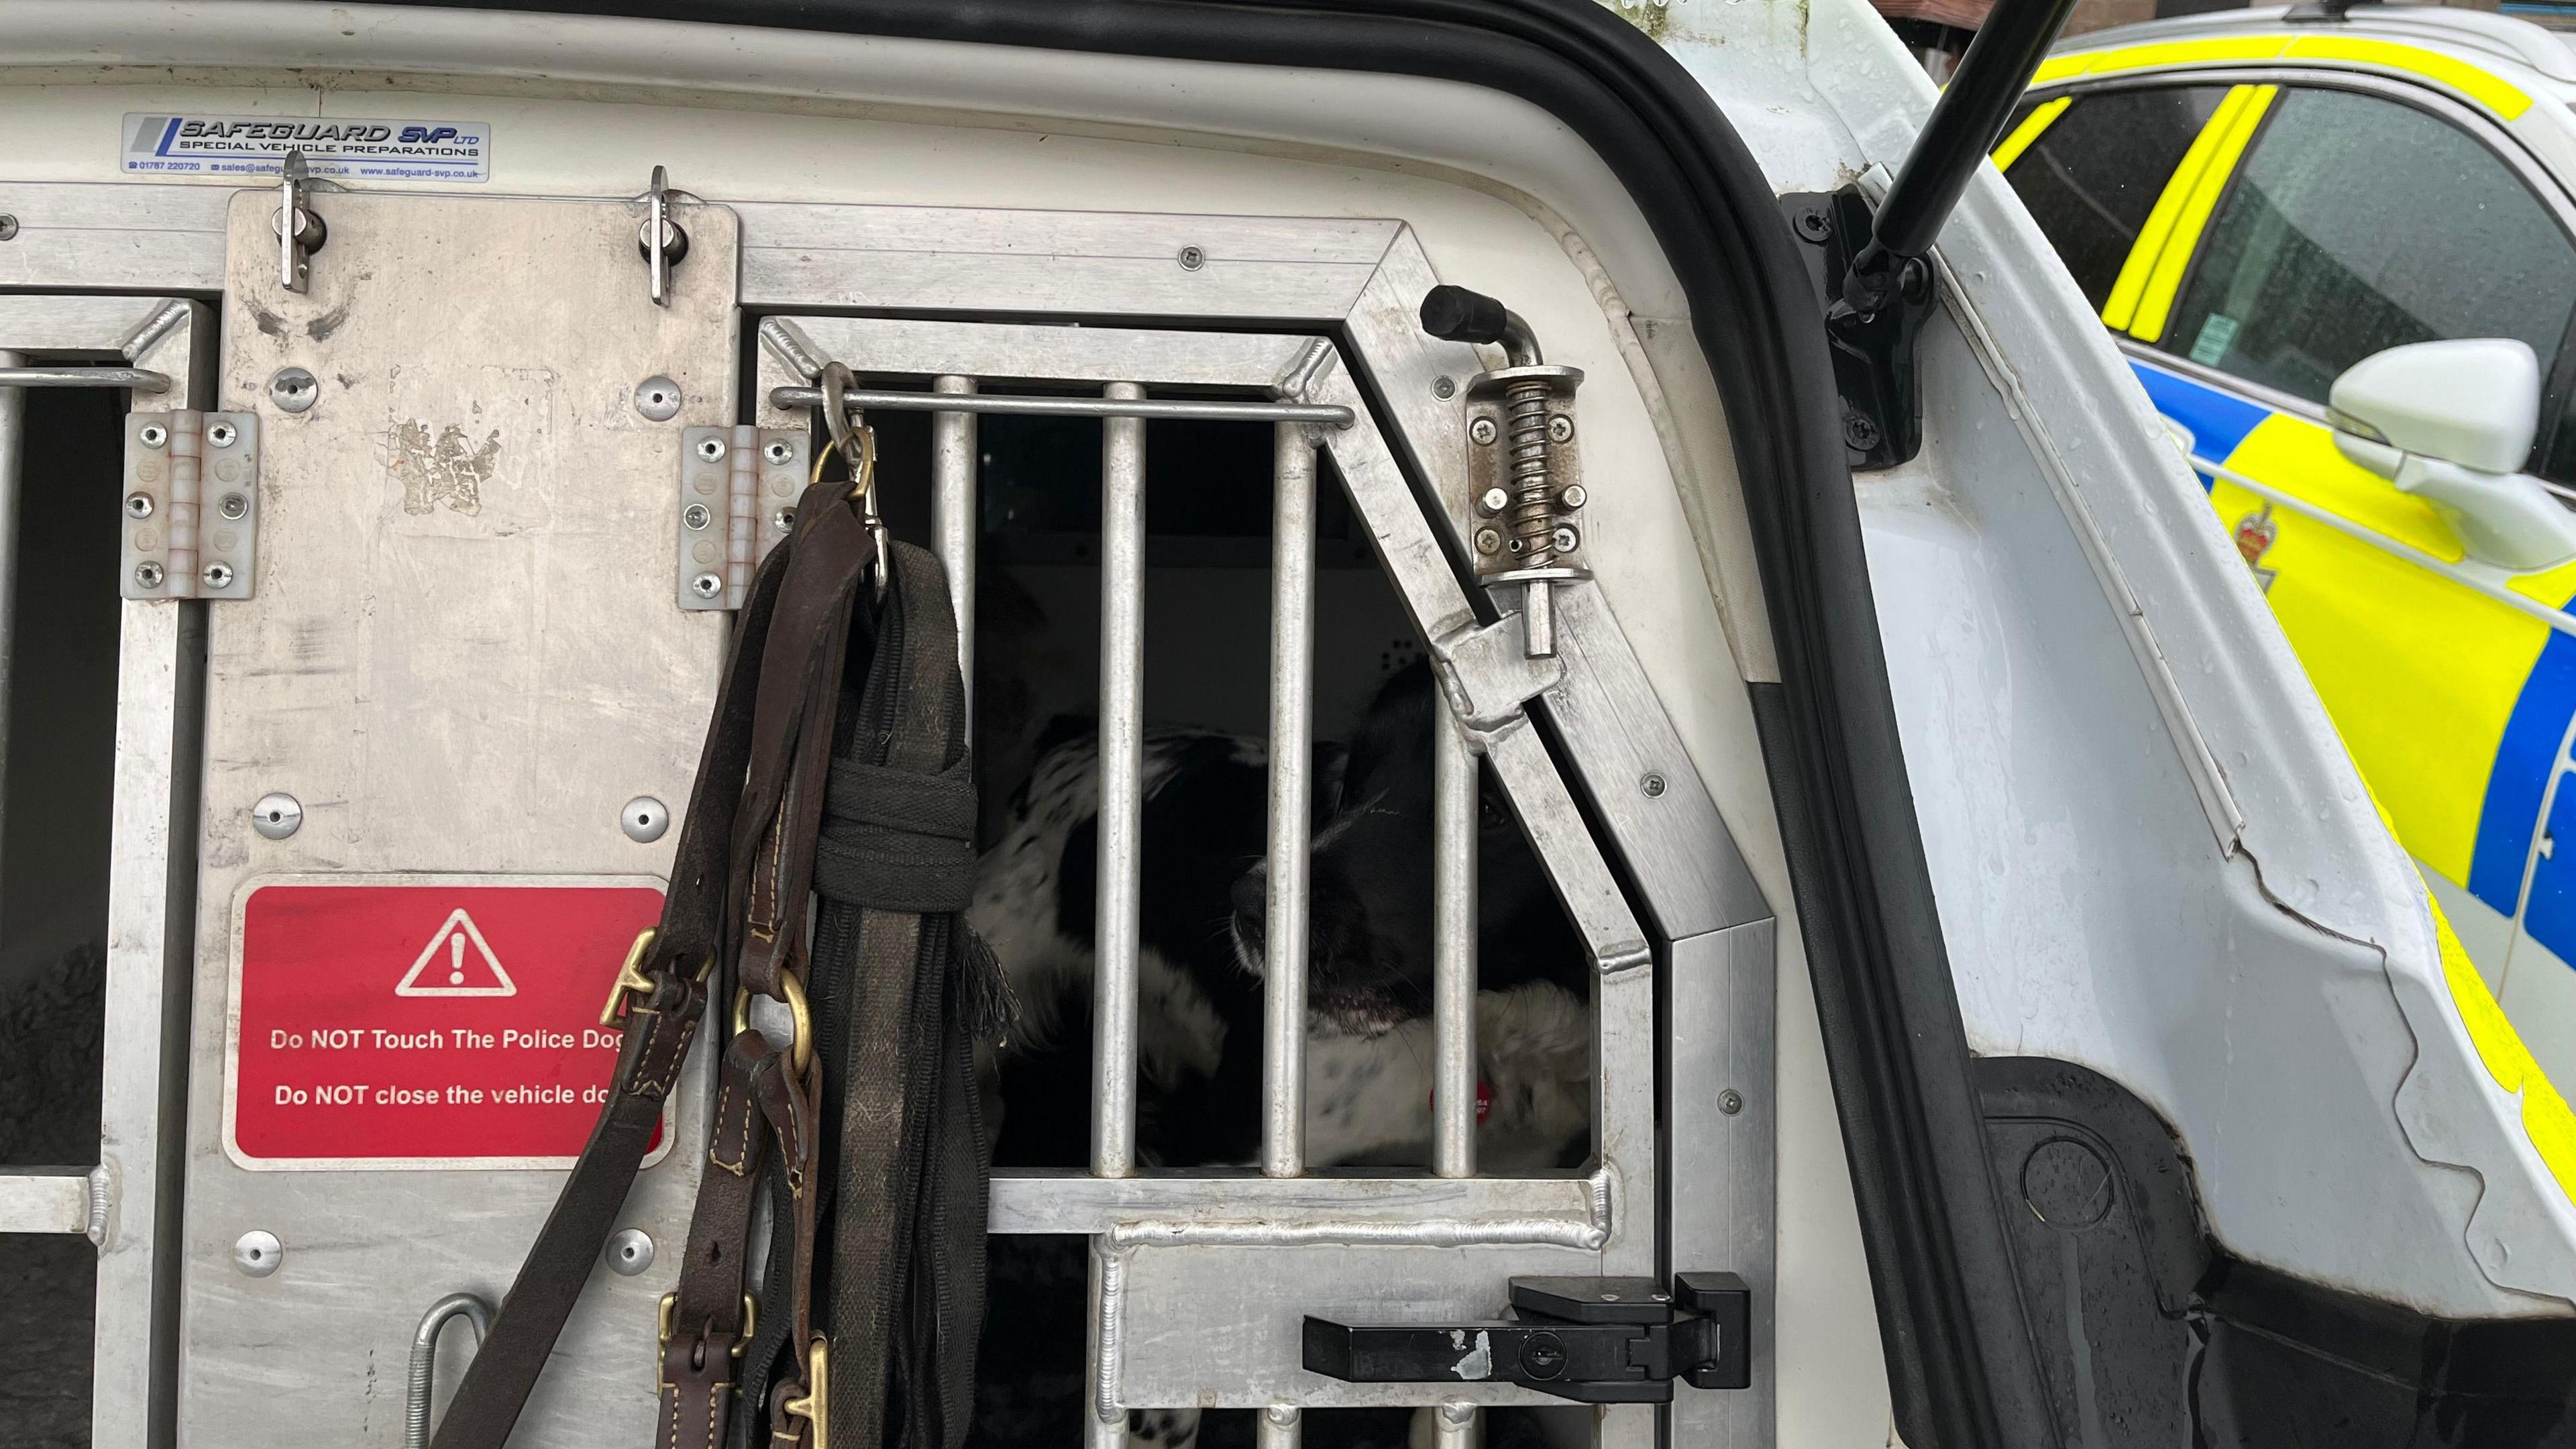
[
  {"x": 13, "y": 453},
  {"x": 1122, "y": 794},
  {"x": 1292, "y": 738},
  {"x": 1458, "y": 1424},
  {"x": 1453, "y": 949},
  {"x": 954, "y": 518},
  {"x": 1281, "y": 1427}
]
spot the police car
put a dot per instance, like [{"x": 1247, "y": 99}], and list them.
[{"x": 2262, "y": 205}]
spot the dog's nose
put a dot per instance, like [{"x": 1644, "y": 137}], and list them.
[{"x": 1252, "y": 893}]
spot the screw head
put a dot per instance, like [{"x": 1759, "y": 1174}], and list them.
[
  {"x": 783, "y": 520},
  {"x": 1573, "y": 496},
  {"x": 221, "y": 435},
  {"x": 277, "y": 815},
  {"x": 1730, "y": 1101},
  {"x": 1652, "y": 785},
  {"x": 644, "y": 819},
  {"x": 706, "y": 586},
  {"x": 1560, "y": 429},
  {"x": 696, "y": 516},
  {"x": 293, "y": 389},
  {"x": 1565, "y": 539},
  {"x": 1193, "y": 258},
  {"x": 1494, "y": 500},
  {"x": 148, "y": 574},
  {"x": 630, "y": 1251},
  {"x": 219, "y": 575},
  {"x": 153, "y": 435},
  {"x": 1815, "y": 225},
  {"x": 138, "y": 505},
  {"x": 1859, "y": 433},
  {"x": 258, "y": 1253},
  {"x": 1488, "y": 540},
  {"x": 233, "y": 505},
  {"x": 1444, "y": 388},
  {"x": 777, "y": 451},
  {"x": 8, "y": 227},
  {"x": 712, "y": 449},
  {"x": 658, "y": 398},
  {"x": 1481, "y": 432}
]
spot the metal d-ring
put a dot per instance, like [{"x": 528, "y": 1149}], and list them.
[
  {"x": 803, "y": 1049},
  {"x": 424, "y": 1359}
]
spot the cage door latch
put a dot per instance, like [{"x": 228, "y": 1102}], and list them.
[{"x": 1592, "y": 1340}]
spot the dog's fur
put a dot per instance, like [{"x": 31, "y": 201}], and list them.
[{"x": 1368, "y": 1052}]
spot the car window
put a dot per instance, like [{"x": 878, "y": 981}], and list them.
[
  {"x": 2358, "y": 224},
  {"x": 2094, "y": 174}
]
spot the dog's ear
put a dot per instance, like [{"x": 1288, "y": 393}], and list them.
[{"x": 1396, "y": 729}]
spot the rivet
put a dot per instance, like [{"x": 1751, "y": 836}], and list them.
[
  {"x": 1282, "y": 1415},
  {"x": 644, "y": 819},
  {"x": 277, "y": 815},
  {"x": 138, "y": 505},
  {"x": 8, "y": 227},
  {"x": 1653, "y": 785},
  {"x": 706, "y": 586},
  {"x": 219, "y": 575},
  {"x": 1192, "y": 258},
  {"x": 234, "y": 505},
  {"x": 658, "y": 398},
  {"x": 1560, "y": 428},
  {"x": 777, "y": 451},
  {"x": 1444, "y": 388},
  {"x": 293, "y": 389},
  {"x": 1730, "y": 1101},
  {"x": 258, "y": 1253},
  {"x": 1573, "y": 496},
  {"x": 696, "y": 516},
  {"x": 630, "y": 1251},
  {"x": 711, "y": 449},
  {"x": 153, "y": 435},
  {"x": 221, "y": 435},
  {"x": 148, "y": 574},
  {"x": 1494, "y": 500},
  {"x": 1481, "y": 431}
]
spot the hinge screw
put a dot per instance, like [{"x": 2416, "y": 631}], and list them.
[
  {"x": 153, "y": 435},
  {"x": 148, "y": 574},
  {"x": 706, "y": 586},
  {"x": 696, "y": 516},
  {"x": 777, "y": 451},
  {"x": 711, "y": 449},
  {"x": 234, "y": 505},
  {"x": 219, "y": 575},
  {"x": 138, "y": 505},
  {"x": 783, "y": 520},
  {"x": 220, "y": 435}
]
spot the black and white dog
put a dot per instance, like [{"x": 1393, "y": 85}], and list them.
[
  {"x": 1369, "y": 1050},
  {"x": 1369, "y": 960}
]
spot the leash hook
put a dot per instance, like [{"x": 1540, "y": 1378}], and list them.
[{"x": 858, "y": 449}]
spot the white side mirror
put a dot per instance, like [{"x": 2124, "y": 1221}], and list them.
[{"x": 2451, "y": 422}]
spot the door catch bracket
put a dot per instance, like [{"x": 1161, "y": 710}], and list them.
[
  {"x": 300, "y": 232},
  {"x": 1592, "y": 1340},
  {"x": 661, "y": 239}
]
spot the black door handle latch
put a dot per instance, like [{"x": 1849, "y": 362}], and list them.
[{"x": 1592, "y": 1340}]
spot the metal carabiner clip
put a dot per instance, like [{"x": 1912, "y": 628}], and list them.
[{"x": 858, "y": 450}]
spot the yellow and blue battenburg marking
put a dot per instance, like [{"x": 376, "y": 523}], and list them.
[{"x": 2455, "y": 706}]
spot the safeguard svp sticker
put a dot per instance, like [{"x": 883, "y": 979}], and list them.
[{"x": 349, "y": 147}]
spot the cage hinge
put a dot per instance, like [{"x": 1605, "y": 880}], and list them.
[
  {"x": 191, "y": 504},
  {"x": 738, "y": 491},
  {"x": 1592, "y": 1340}
]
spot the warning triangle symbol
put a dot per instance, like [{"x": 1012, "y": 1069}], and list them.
[{"x": 457, "y": 962}]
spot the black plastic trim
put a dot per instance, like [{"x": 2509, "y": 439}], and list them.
[{"x": 1960, "y": 1362}]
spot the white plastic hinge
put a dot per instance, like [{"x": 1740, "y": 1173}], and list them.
[
  {"x": 190, "y": 505},
  {"x": 738, "y": 492}
]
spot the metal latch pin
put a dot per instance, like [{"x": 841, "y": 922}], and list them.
[
  {"x": 662, "y": 240},
  {"x": 300, "y": 233}
]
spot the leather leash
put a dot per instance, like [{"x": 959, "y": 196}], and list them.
[{"x": 863, "y": 1132}]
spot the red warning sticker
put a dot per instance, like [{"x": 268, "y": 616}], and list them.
[{"x": 424, "y": 1021}]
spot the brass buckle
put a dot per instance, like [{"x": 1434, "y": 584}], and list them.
[
  {"x": 814, "y": 1407},
  {"x": 803, "y": 1049},
  {"x": 670, "y": 1311},
  {"x": 630, "y": 978}
]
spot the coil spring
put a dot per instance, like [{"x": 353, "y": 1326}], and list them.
[{"x": 1533, "y": 512}]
